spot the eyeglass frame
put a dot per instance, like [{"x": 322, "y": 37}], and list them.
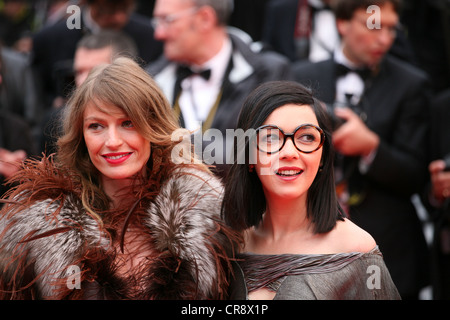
[
  {"x": 171, "y": 18},
  {"x": 291, "y": 135}
]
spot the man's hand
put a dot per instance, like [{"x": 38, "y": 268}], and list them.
[
  {"x": 440, "y": 179},
  {"x": 10, "y": 161},
  {"x": 354, "y": 138}
]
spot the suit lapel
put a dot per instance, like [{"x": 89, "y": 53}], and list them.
[{"x": 327, "y": 80}]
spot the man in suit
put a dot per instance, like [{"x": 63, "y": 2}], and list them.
[
  {"x": 437, "y": 194},
  {"x": 382, "y": 138},
  {"x": 223, "y": 68},
  {"x": 16, "y": 141},
  {"x": 18, "y": 95},
  {"x": 54, "y": 46},
  {"x": 300, "y": 29}
]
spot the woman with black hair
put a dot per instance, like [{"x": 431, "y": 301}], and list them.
[{"x": 298, "y": 243}]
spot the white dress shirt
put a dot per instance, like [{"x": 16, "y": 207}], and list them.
[
  {"x": 350, "y": 85},
  {"x": 324, "y": 37},
  {"x": 198, "y": 95}
]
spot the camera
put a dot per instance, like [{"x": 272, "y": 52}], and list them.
[
  {"x": 336, "y": 122},
  {"x": 447, "y": 162}
]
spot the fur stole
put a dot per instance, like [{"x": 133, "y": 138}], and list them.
[{"x": 53, "y": 249}]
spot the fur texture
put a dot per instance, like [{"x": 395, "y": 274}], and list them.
[{"x": 189, "y": 245}]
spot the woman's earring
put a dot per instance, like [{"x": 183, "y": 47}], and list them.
[{"x": 251, "y": 168}]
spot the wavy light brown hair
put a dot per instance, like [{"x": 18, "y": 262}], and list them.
[{"x": 123, "y": 84}]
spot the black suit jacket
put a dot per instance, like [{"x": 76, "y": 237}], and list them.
[
  {"x": 440, "y": 129},
  {"x": 54, "y": 49},
  {"x": 440, "y": 214},
  {"x": 279, "y": 27},
  {"x": 396, "y": 102},
  {"x": 15, "y": 134}
]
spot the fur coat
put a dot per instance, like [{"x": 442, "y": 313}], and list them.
[{"x": 53, "y": 249}]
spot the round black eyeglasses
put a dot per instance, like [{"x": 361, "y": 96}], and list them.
[{"x": 307, "y": 138}]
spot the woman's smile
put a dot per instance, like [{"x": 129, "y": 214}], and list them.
[
  {"x": 117, "y": 158},
  {"x": 288, "y": 173}
]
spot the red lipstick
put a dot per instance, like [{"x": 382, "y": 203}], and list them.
[{"x": 117, "y": 157}]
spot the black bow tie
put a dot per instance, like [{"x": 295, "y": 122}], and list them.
[
  {"x": 342, "y": 70},
  {"x": 184, "y": 72}
]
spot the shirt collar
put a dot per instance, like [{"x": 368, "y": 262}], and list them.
[
  {"x": 219, "y": 63},
  {"x": 318, "y": 4},
  {"x": 340, "y": 57}
]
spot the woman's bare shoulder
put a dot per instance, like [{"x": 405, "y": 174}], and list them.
[{"x": 351, "y": 238}]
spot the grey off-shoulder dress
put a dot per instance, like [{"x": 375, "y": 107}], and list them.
[{"x": 341, "y": 276}]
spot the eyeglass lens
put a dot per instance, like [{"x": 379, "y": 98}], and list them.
[
  {"x": 171, "y": 18},
  {"x": 306, "y": 138}
]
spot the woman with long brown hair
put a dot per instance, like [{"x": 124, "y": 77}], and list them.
[{"x": 113, "y": 215}]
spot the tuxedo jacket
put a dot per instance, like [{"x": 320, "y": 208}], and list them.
[
  {"x": 54, "y": 49},
  {"x": 396, "y": 101},
  {"x": 248, "y": 70}
]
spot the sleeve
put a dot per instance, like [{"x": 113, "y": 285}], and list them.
[{"x": 400, "y": 163}]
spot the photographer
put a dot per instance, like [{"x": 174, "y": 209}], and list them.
[
  {"x": 382, "y": 144},
  {"x": 437, "y": 195}
]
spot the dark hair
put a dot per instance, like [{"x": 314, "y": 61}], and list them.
[
  {"x": 244, "y": 202},
  {"x": 344, "y": 9},
  {"x": 120, "y": 43},
  {"x": 111, "y": 2}
]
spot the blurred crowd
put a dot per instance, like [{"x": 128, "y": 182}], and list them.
[{"x": 42, "y": 60}]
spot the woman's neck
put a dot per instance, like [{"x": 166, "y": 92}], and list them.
[
  {"x": 285, "y": 228},
  {"x": 116, "y": 190},
  {"x": 283, "y": 218}
]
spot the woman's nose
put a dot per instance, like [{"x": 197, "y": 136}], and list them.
[
  {"x": 289, "y": 150},
  {"x": 114, "y": 139}
]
